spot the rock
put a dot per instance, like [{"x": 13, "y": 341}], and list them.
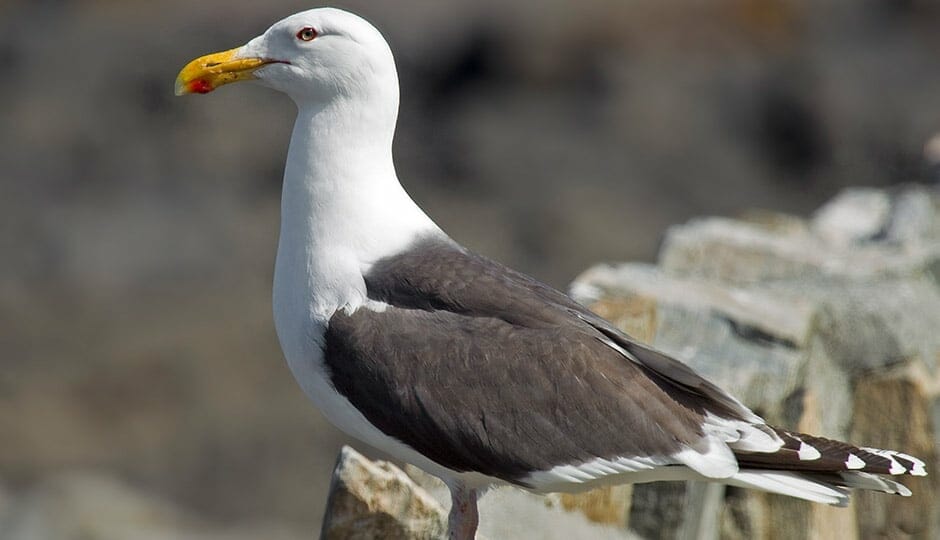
[
  {"x": 865, "y": 215},
  {"x": 827, "y": 327},
  {"x": 607, "y": 506},
  {"x": 746, "y": 253},
  {"x": 378, "y": 500},
  {"x": 726, "y": 250},
  {"x": 507, "y": 512},
  {"x": 631, "y": 284},
  {"x": 915, "y": 218},
  {"x": 853, "y": 217}
]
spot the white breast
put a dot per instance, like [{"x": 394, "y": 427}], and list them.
[{"x": 341, "y": 212}]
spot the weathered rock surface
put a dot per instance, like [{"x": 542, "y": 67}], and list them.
[{"x": 378, "y": 500}]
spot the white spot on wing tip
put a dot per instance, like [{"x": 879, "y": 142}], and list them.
[
  {"x": 918, "y": 467},
  {"x": 854, "y": 462},
  {"x": 807, "y": 452}
]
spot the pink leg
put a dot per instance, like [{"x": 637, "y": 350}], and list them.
[{"x": 463, "y": 518}]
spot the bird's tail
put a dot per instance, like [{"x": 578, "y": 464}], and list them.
[{"x": 823, "y": 470}]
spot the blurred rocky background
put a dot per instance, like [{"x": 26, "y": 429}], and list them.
[{"x": 138, "y": 361}]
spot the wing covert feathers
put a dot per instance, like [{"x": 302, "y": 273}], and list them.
[{"x": 480, "y": 368}]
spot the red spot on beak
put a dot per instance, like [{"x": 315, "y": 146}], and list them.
[{"x": 200, "y": 86}]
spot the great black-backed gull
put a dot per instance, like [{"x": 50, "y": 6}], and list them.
[{"x": 455, "y": 363}]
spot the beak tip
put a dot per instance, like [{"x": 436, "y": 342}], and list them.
[
  {"x": 180, "y": 86},
  {"x": 195, "y": 86}
]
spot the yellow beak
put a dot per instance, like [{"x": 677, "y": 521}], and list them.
[{"x": 209, "y": 72}]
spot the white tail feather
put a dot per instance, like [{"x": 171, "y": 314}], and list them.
[
  {"x": 792, "y": 484},
  {"x": 874, "y": 482}
]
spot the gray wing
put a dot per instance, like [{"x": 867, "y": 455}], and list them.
[
  {"x": 484, "y": 369},
  {"x": 438, "y": 274}
]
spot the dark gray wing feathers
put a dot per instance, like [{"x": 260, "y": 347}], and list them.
[{"x": 482, "y": 368}]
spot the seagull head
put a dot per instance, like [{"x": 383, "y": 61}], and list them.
[{"x": 314, "y": 56}]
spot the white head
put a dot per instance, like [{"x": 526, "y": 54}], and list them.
[
  {"x": 314, "y": 57},
  {"x": 342, "y": 205}
]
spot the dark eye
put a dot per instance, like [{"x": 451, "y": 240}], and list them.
[{"x": 307, "y": 33}]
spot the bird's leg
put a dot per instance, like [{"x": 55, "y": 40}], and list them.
[{"x": 464, "y": 518}]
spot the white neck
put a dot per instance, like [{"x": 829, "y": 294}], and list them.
[{"x": 342, "y": 209}]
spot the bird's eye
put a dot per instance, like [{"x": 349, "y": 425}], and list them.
[{"x": 307, "y": 33}]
